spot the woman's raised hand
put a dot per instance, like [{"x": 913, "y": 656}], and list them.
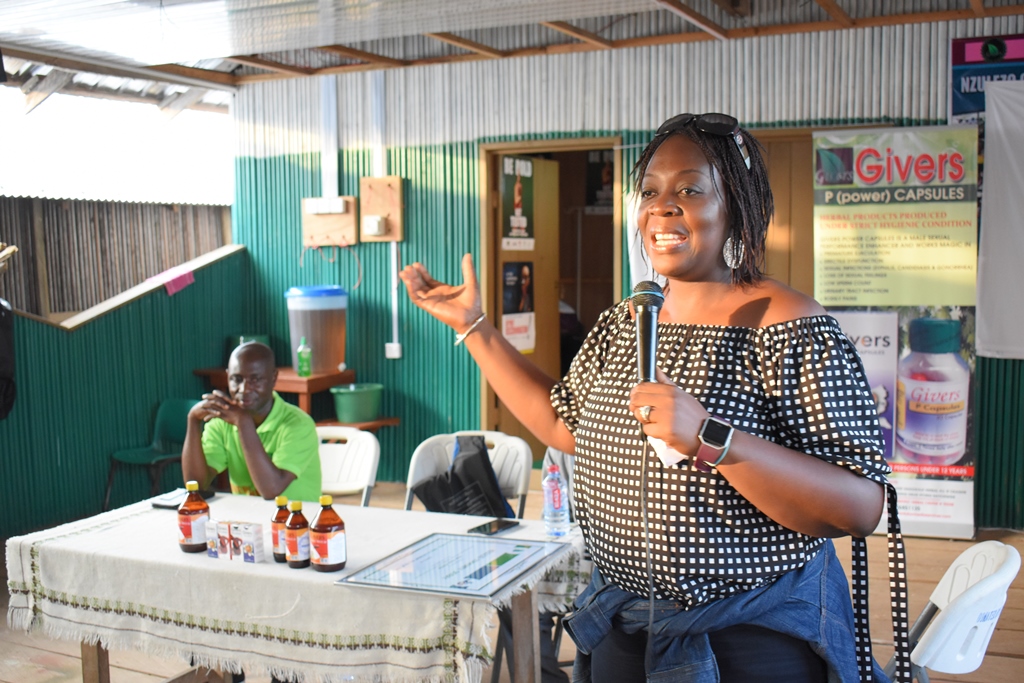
[{"x": 457, "y": 306}]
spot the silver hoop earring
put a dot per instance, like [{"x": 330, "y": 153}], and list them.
[{"x": 732, "y": 252}]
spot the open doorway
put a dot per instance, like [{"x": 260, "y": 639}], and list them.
[{"x": 574, "y": 258}]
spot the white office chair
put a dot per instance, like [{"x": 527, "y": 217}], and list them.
[
  {"x": 511, "y": 458},
  {"x": 348, "y": 461},
  {"x": 955, "y": 627}
]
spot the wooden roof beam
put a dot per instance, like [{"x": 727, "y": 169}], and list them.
[
  {"x": 836, "y": 12},
  {"x": 269, "y": 65},
  {"x": 979, "y": 7},
  {"x": 695, "y": 18},
  {"x": 166, "y": 73},
  {"x": 579, "y": 34},
  {"x": 466, "y": 44},
  {"x": 368, "y": 57},
  {"x": 737, "y": 8},
  {"x": 209, "y": 75}
]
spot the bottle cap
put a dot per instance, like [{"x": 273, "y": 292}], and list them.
[
  {"x": 934, "y": 335},
  {"x": 295, "y": 505},
  {"x": 326, "y": 500},
  {"x": 281, "y": 501},
  {"x": 553, "y": 468},
  {"x": 191, "y": 485},
  {"x": 302, "y": 341}
]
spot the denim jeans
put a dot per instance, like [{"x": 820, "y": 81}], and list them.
[{"x": 811, "y": 603}]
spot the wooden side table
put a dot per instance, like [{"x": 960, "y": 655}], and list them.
[
  {"x": 371, "y": 426},
  {"x": 287, "y": 382}
]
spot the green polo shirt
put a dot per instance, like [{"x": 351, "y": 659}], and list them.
[{"x": 289, "y": 437}]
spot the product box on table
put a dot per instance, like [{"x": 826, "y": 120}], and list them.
[{"x": 231, "y": 540}]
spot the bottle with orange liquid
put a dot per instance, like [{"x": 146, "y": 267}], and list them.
[
  {"x": 193, "y": 513},
  {"x": 277, "y": 523},
  {"x": 296, "y": 536},
  {"x": 327, "y": 538}
]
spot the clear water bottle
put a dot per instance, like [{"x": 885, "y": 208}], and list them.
[{"x": 556, "y": 502}]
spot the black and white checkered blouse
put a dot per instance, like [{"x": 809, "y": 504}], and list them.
[{"x": 798, "y": 383}]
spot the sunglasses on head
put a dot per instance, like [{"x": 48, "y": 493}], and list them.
[{"x": 712, "y": 124}]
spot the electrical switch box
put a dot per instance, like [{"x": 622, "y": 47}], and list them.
[{"x": 374, "y": 226}]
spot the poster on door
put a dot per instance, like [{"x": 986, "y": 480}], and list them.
[
  {"x": 518, "y": 320},
  {"x": 516, "y": 204},
  {"x": 895, "y": 260}
]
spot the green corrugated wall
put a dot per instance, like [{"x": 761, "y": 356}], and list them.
[
  {"x": 434, "y": 387},
  {"x": 86, "y": 393},
  {"x": 999, "y": 426}
]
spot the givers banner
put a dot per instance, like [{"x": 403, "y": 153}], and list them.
[
  {"x": 896, "y": 216},
  {"x": 895, "y": 261}
]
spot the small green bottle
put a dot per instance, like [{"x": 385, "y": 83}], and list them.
[{"x": 305, "y": 354}]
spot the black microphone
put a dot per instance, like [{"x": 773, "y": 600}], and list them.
[{"x": 647, "y": 301}]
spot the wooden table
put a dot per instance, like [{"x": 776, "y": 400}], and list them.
[
  {"x": 287, "y": 382},
  {"x": 371, "y": 426},
  {"x": 70, "y": 581}
]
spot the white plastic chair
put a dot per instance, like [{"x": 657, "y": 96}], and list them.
[
  {"x": 348, "y": 461},
  {"x": 511, "y": 458},
  {"x": 955, "y": 627}
]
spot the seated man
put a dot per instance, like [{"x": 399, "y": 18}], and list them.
[{"x": 268, "y": 446}]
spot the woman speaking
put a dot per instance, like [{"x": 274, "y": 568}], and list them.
[{"x": 707, "y": 498}]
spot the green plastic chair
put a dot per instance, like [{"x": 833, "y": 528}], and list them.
[{"x": 168, "y": 441}]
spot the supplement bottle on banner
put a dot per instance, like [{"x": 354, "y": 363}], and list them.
[
  {"x": 277, "y": 523},
  {"x": 931, "y": 395},
  {"x": 193, "y": 514},
  {"x": 327, "y": 539},
  {"x": 296, "y": 534},
  {"x": 556, "y": 502}
]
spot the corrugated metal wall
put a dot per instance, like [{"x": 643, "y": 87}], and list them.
[
  {"x": 95, "y": 250},
  {"x": 84, "y": 394},
  {"x": 18, "y": 283},
  {"x": 999, "y": 420},
  {"x": 437, "y": 115}
]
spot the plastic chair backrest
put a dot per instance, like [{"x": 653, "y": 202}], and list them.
[
  {"x": 432, "y": 457},
  {"x": 348, "y": 461},
  {"x": 970, "y": 598},
  {"x": 171, "y": 423},
  {"x": 512, "y": 460},
  {"x": 510, "y": 456}
]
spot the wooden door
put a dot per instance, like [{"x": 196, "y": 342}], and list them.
[
  {"x": 525, "y": 275},
  {"x": 790, "y": 247}
]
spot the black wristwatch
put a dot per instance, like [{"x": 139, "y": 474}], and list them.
[{"x": 715, "y": 436}]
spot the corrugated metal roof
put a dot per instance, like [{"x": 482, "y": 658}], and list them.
[{"x": 217, "y": 45}]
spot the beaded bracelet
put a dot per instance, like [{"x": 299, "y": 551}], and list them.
[{"x": 460, "y": 337}]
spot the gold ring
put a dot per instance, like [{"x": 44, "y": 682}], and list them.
[{"x": 645, "y": 414}]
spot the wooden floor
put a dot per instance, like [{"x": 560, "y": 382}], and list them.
[{"x": 37, "y": 659}]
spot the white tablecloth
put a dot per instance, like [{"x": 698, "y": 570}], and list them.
[{"x": 119, "y": 579}]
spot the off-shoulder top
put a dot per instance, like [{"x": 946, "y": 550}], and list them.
[{"x": 798, "y": 383}]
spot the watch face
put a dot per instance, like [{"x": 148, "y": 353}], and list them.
[{"x": 715, "y": 432}]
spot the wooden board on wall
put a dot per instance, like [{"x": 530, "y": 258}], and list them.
[
  {"x": 330, "y": 229},
  {"x": 383, "y": 197}
]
